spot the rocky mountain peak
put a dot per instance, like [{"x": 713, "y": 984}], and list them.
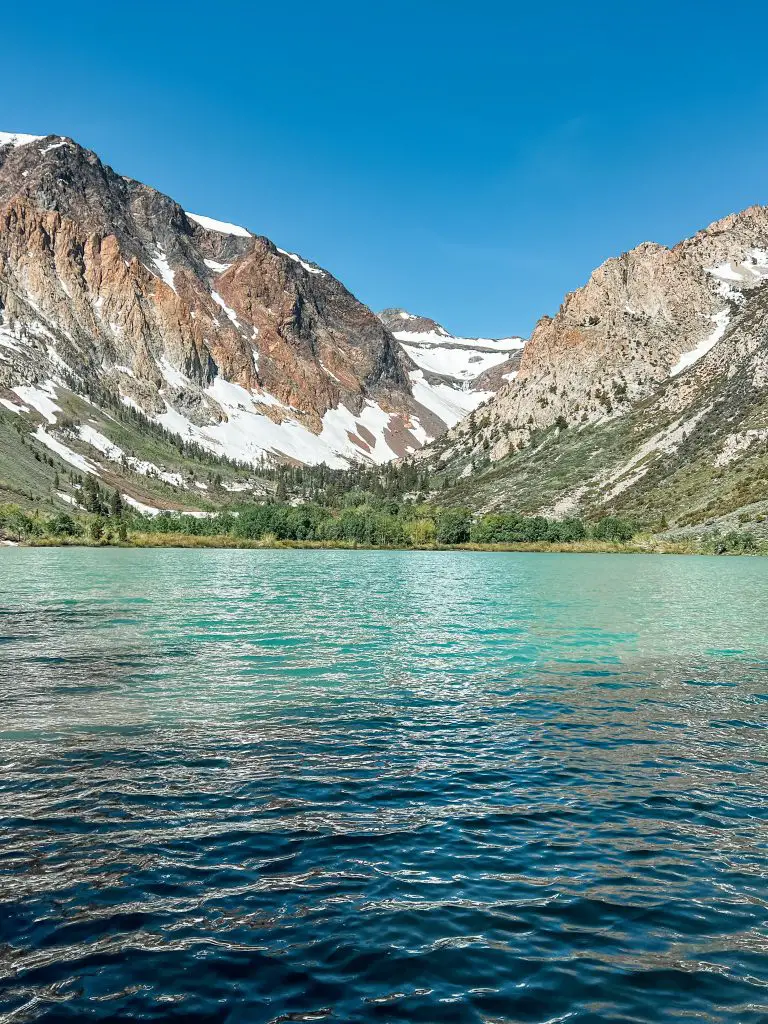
[
  {"x": 171, "y": 310},
  {"x": 400, "y": 320},
  {"x": 659, "y": 362}
]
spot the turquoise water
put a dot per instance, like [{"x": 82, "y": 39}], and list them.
[{"x": 261, "y": 786}]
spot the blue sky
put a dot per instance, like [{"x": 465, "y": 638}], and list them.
[{"x": 469, "y": 161}]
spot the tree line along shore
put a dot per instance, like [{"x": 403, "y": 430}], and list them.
[{"x": 386, "y": 523}]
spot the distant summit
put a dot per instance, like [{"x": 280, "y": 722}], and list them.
[
  {"x": 465, "y": 372},
  {"x": 400, "y": 320}
]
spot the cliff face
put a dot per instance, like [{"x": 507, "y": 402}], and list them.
[
  {"x": 638, "y": 368},
  {"x": 105, "y": 279},
  {"x": 642, "y": 318},
  {"x": 618, "y": 338}
]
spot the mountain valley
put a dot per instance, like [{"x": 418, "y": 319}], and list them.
[{"x": 188, "y": 363}]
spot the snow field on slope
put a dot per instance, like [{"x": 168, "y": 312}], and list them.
[
  {"x": 458, "y": 363},
  {"x": 247, "y": 434}
]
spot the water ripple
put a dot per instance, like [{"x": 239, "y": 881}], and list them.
[{"x": 307, "y": 786}]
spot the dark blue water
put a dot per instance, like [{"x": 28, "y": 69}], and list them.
[{"x": 363, "y": 786}]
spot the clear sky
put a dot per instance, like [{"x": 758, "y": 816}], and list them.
[{"x": 470, "y": 161}]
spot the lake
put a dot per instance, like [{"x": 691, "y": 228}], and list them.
[{"x": 262, "y": 786}]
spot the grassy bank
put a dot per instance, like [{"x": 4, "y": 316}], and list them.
[{"x": 641, "y": 545}]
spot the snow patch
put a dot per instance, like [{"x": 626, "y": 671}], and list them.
[
  {"x": 7, "y": 340},
  {"x": 100, "y": 442},
  {"x": 433, "y": 338},
  {"x": 757, "y": 263},
  {"x": 56, "y": 359},
  {"x": 162, "y": 264},
  {"x": 339, "y": 423},
  {"x": 171, "y": 375},
  {"x": 727, "y": 291},
  {"x": 41, "y": 399},
  {"x": 687, "y": 359},
  {"x": 247, "y": 434},
  {"x": 330, "y": 372},
  {"x": 459, "y": 360},
  {"x": 460, "y": 364},
  {"x": 18, "y": 139},
  {"x": 449, "y": 404},
  {"x": 54, "y": 145},
  {"x": 147, "y": 510},
  {"x": 230, "y": 312},
  {"x": 418, "y": 431},
  {"x": 115, "y": 453},
  {"x": 752, "y": 270},
  {"x": 216, "y": 267},
  {"x": 78, "y": 461},
  {"x": 297, "y": 259},
  {"x": 11, "y": 407},
  {"x": 724, "y": 272},
  {"x": 222, "y": 227}
]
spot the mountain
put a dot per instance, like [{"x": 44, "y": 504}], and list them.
[
  {"x": 172, "y": 355},
  {"x": 453, "y": 376},
  {"x": 114, "y": 298},
  {"x": 645, "y": 394}
]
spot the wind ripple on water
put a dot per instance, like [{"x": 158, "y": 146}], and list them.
[{"x": 277, "y": 786}]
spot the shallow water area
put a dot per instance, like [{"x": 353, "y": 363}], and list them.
[{"x": 261, "y": 786}]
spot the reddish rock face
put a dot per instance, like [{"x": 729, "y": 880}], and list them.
[
  {"x": 123, "y": 286},
  {"x": 316, "y": 344}
]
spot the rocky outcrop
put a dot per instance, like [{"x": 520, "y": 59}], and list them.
[
  {"x": 641, "y": 319},
  {"x": 646, "y": 395}
]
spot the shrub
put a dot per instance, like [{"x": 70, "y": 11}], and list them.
[
  {"x": 733, "y": 543},
  {"x": 63, "y": 525},
  {"x": 17, "y": 523},
  {"x": 567, "y": 530},
  {"x": 453, "y": 526},
  {"x": 614, "y": 528},
  {"x": 496, "y": 528},
  {"x": 510, "y": 528},
  {"x": 421, "y": 531}
]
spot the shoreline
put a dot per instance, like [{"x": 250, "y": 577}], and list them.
[{"x": 649, "y": 546}]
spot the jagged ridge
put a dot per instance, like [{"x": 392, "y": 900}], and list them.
[{"x": 654, "y": 370}]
